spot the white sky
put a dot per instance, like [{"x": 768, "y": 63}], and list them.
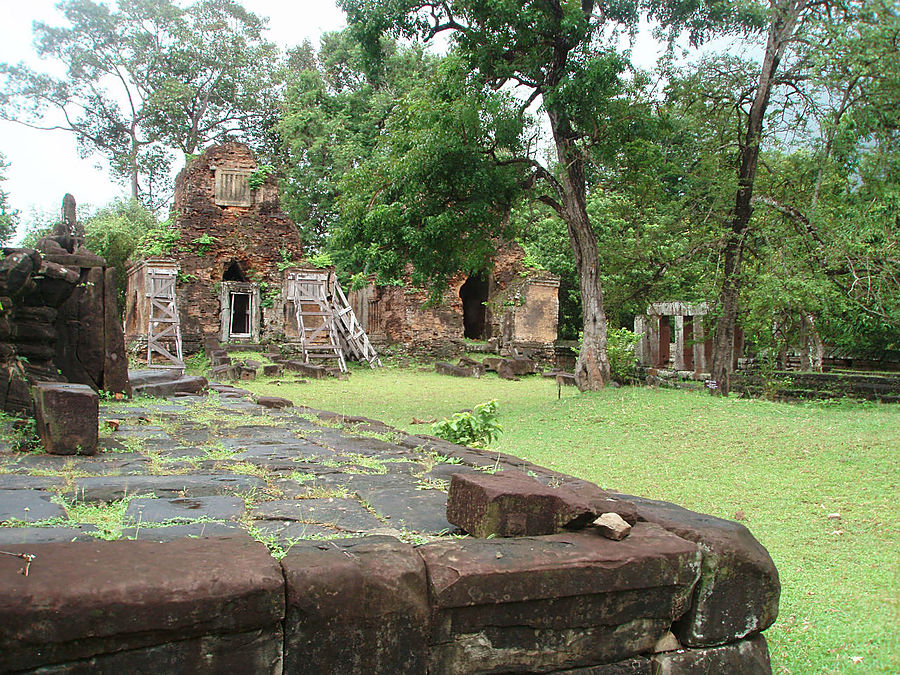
[{"x": 44, "y": 165}]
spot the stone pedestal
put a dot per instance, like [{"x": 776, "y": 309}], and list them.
[{"x": 67, "y": 417}]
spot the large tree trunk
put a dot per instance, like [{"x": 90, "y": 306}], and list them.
[
  {"x": 592, "y": 366},
  {"x": 781, "y": 27}
]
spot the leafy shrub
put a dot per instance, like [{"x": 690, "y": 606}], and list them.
[
  {"x": 476, "y": 428},
  {"x": 620, "y": 343},
  {"x": 321, "y": 260},
  {"x": 158, "y": 242},
  {"x": 203, "y": 244},
  {"x": 258, "y": 178}
]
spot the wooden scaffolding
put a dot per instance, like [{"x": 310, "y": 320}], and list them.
[
  {"x": 326, "y": 324},
  {"x": 155, "y": 280}
]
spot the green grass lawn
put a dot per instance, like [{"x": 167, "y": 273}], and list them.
[{"x": 786, "y": 467}]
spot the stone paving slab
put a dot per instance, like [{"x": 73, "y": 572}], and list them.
[
  {"x": 343, "y": 514},
  {"x": 287, "y": 531},
  {"x": 14, "y": 481},
  {"x": 13, "y": 536},
  {"x": 173, "y": 532},
  {"x": 215, "y": 507},
  {"x": 303, "y": 472},
  {"x": 422, "y": 511},
  {"x": 28, "y": 506},
  {"x": 111, "y": 488}
]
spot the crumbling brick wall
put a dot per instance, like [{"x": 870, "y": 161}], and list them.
[
  {"x": 522, "y": 307},
  {"x": 256, "y": 238}
]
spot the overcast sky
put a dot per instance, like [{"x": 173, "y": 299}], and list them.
[{"x": 44, "y": 165}]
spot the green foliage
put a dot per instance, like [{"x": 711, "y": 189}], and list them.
[
  {"x": 322, "y": 260},
  {"x": 477, "y": 428},
  {"x": 286, "y": 260},
  {"x": 258, "y": 178},
  {"x": 143, "y": 78},
  {"x": 114, "y": 232},
  {"x": 203, "y": 244},
  {"x": 267, "y": 295},
  {"x": 160, "y": 241},
  {"x": 335, "y": 110},
  {"x": 9, "y": 218},
  {"x": 434, "y": 193}
]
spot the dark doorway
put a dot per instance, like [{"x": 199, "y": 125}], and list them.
[
  {"x": 234, "y": 272},
  {"x": 474, "y": 293},
  {"x": 240, "y": 315}
]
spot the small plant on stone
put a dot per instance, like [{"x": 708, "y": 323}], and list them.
[
  {"x": 476, "y": 428},
  {"x": 258, "y": 178}
]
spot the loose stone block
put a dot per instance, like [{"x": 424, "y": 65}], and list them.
[
  {"x": 307, "y": 369},
  {"x": 554, "y": 602},
  {"x": 355, "y": 605},
  {"x": 747, "y": 657},
  {"x": 272, "y": 370},
  {"x": 67, "y": 417},
  {"x": 87, "y": 600},
  {"x": 275, "y": 402},
  {"x": 612, "y": 526},
  {"x": 511, "y": 504},
  {"x": 445, "y": 368},
  {"x": 738, "y": 590}
]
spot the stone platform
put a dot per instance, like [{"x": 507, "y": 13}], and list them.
[{"x": 366, "y": 573}]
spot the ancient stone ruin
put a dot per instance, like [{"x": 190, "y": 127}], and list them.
[
  {"x": 673, "y": 337},
  {"x": 59, "y": 320},
  {"x": 237, "y": 274},
  {"x": 235, "y": 245},
  {"x": 514, "y": 306}
]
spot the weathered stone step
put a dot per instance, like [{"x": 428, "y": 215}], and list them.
[
  {"x": 139, "y": 378},
  {"x": 188, "y": 384}
]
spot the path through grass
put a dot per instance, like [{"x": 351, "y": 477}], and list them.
[{"x": 785, "y": 467}]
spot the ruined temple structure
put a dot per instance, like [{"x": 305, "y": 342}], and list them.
[
  {"x": 512, "y": 304},
  {"x": 236, "y": 274},
  {"x": 235, "y": 243},
  {"x": 59, "y": 321},
  {"x": 673, "y": 337}
]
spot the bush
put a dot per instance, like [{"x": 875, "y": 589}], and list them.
[
  {"x": 476, "y": 428},
  {"x": 620, "y": 343}
]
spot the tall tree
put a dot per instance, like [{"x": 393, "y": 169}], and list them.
[
  {"x": 9, "y": 217},
  {"x": 788, "y": 21},
  {"x": 334, "y": 113},
  {"x": 555, "y": 52},
  {"x": 143, "y": 78}
]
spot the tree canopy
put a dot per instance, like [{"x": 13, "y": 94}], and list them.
[{"x": 144, "y": 78}]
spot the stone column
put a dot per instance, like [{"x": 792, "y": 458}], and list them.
[
  {"x": 642, "y": 348},
  {"x": 701, "y": 365},
  {"x": 679, "y": 342},
  {"x": 665, "y": 337},
  {"x": 688, "y": 343},
  {"x": 652, "y": 324}
]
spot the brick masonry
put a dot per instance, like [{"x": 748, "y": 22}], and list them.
[{"x": 221, "y": 242}]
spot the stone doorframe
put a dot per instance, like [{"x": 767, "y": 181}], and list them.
[
  {"x": 252, "y": 289},
  {"x": 692, "y": 347}
]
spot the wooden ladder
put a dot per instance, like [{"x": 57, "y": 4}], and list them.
[
  {"x": 351, "y": 330},
  {"x": 163, "y": 329},
  {"x": 319, "y": 338}
]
